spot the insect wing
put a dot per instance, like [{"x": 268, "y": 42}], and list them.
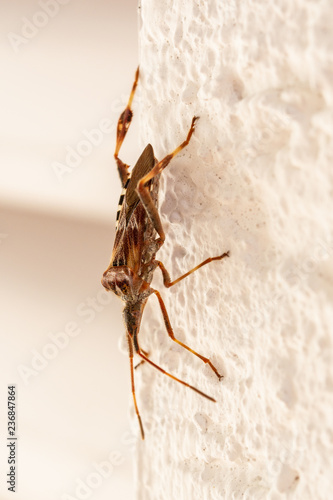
[
  {"x": 126, "y": 246},
  {"x": 144, "y": 165}
]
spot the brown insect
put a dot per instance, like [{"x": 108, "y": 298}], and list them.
[{"x": 139, "y": 235}]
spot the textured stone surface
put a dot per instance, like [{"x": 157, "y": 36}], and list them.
[{"x": 256, "y": 180}]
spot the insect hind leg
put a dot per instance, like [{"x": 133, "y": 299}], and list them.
[
  {"x": 145, "y": 358},
  {"x": 172, "y": 336},
  {"x": 142, "y": 361},
  {"x": 143, "y": 190}
]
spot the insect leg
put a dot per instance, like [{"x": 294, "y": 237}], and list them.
[
  {"x": 142, "y": 361},
  {"x": 172, "y": 336},
  {"x": 130, "y": 346},
  {"x": 143, "y": 190},
  {"x": 122, "y": 128},
  {"x": 166, "y": 277},
  {"x": 171, "y": 376}
]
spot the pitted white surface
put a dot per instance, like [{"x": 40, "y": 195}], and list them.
[{"x": 256, "y": 179}]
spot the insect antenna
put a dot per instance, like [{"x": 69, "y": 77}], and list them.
[{"x": 130, "y": 347}]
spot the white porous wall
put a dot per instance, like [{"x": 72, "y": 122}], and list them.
[{"x": 257, "y": 180}]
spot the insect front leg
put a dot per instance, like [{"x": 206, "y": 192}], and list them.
[
  {"x": 172, "y": 336},
  {"x": 143, "y": 190},
  {"x": 122, "y": 128}
]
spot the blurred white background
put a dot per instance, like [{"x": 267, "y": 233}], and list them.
[
  {"x": 67, "y": 69},
  {"x": 56, "y": 87}
]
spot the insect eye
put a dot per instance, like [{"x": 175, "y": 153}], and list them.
[{"x": 123, "y": 285}]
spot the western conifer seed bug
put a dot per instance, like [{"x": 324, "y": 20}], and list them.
[{"x": 139, "y": 235}]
